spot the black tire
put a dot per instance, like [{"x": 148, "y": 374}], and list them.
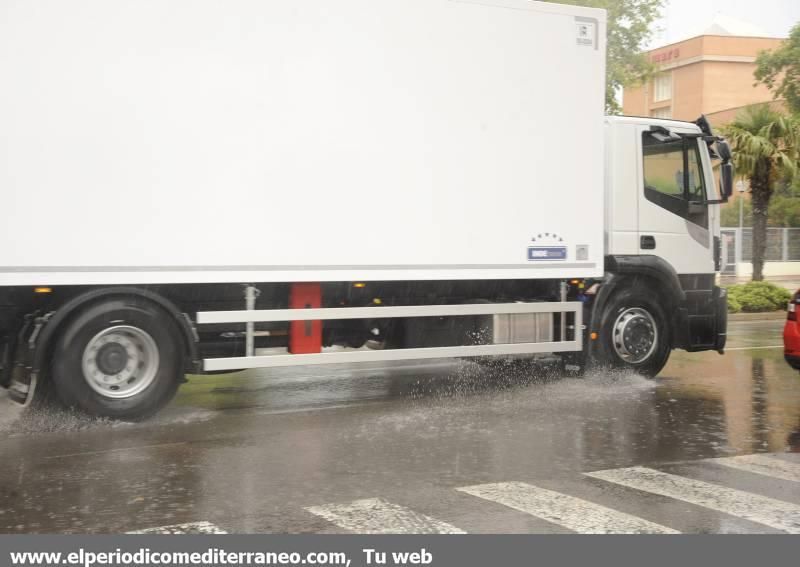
[
  {"x": 134, "y": 315},
  {"x": 651, "y": 353}
]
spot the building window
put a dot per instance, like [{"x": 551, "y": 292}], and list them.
[
  {"x": 662, "y": 87},
  {"x": 665, "y": 112}
]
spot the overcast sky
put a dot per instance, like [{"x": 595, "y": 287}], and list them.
[{"x": 687, "y": 18}]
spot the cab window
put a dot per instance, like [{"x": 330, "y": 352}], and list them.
[{"x": 673, "y": 178}]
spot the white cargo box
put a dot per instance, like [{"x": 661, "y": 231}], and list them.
[{"x": 168, "y": 141}]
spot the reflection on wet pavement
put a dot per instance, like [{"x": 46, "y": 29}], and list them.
[{"x": 252, "y": 451}]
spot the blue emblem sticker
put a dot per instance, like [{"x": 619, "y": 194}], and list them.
[{"x": 547, "y": 253}]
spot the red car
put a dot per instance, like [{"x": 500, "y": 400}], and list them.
[{"x": 791, "y": 333}]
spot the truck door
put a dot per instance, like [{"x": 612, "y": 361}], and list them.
[{"x": 674, "y": 222}]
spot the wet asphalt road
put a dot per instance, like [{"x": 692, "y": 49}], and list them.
[{"x": 412, "y": 447}]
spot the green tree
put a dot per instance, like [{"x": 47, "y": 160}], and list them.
[
  {"x": 765, "y": 149},
  {"x": 779, "y": 69},
  {"x": 729, "y": 214},
  {"x": 784, "y": 212},
  {"x": 629, "y": 27}
]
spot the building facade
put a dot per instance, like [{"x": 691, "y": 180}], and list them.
[{"x": 710, "y": 74}]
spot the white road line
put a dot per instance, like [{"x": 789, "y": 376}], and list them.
[
  {"x": 573, "y": 513},
  {"x": 763, "y": 465},
  {"x": 761, "y": 509},
  {"x": 377, "y": 516},
  {"x": 754, "y": 347},
  {"x": 182, "y": 529}
]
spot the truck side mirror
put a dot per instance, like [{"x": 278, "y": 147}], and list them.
[
  {"x": 724, "y": 150},
  {"x": 726, "y": 180}
]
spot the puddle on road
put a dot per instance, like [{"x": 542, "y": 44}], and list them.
[
  {"x": 50, "y": 417},
  {"x": 512, "y": 389},
  {"x": 446, "y": 384}
]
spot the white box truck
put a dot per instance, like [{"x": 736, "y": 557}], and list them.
[{"x": 186, "y": 183}]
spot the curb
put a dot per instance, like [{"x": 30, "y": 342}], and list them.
[{"x": 772, "y": 316}]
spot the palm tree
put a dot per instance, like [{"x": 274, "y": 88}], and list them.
[{"x": 765, "y": 146}]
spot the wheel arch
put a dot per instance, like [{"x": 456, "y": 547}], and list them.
[
  {"x": 46, "y": 340},
  {"x": 628, "y": 271}
]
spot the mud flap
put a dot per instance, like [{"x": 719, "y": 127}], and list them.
[
  {"x": 23, "y": 378},
  {"x": 721, "y": 320},
  {"x": 6, "y": 347},
  {"x": 22, "y": 391}
]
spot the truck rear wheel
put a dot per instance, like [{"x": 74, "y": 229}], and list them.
[
  {"x": 634, "y": 334},
  {"x": 120, "y": 358}
]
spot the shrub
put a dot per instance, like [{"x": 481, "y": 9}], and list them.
[
  {"x": 757, "y": 297},
  {"x": 733, "y": 304}
]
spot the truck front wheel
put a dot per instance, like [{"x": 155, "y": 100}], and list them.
[
  {"x": 634, "y": 334},
  {"x": 119, "y": 358}
]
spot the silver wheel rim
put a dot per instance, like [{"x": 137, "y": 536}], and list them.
[
  {"x": 635, "y": 335},
  {"x": 120, "y": 362}
]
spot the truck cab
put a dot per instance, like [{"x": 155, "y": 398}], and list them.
[
  {"x": 662, "y": 223},
  {"x": 652, "y": 208}
]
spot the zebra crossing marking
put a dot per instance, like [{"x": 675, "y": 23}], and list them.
[
  {"x": 762, "y": 464},
  {"x": 183, "y": 529},
  {"x": 573, "y": 513},
  {"x": 377, "y": 516},
  {"x": 761, "y": 509}
]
